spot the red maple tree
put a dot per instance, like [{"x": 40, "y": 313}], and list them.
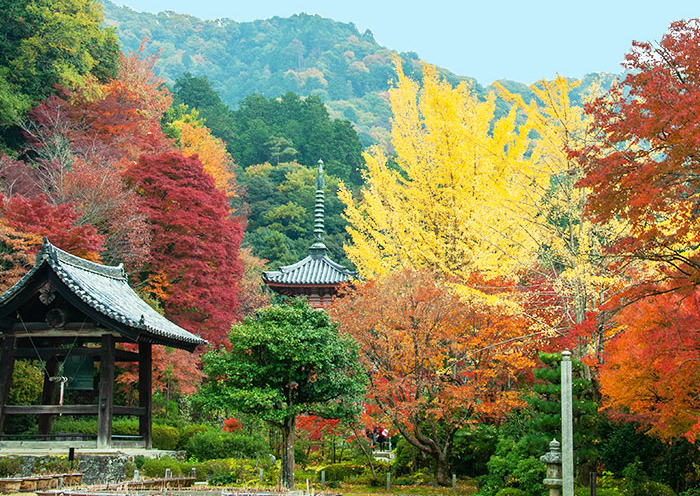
[{"x": 194, "y": 247}]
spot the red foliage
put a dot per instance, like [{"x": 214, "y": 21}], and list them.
[
  {"x": 314, "y": 428},
  {"x": 651, "y": 367},
  {"x": 643, "y": 170},
  {"x": 58, "y": 223},
  {"x": 195, "y": 243},
  {"x": 174, "y": 371},
  {"x": 436, "y": 361},
  {"x": 232, "y": 425}
]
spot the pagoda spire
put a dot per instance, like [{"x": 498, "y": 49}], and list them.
[{"x": 318, "y": 249}]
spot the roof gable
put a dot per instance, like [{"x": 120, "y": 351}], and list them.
[{"x": 105, "y": 289}]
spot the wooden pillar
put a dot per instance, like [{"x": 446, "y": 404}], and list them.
[
  {"x": 145, "y": 395},
  {"x": 7, "y": 366},
  {"x": 106, "y": 393},
  {"x": 48, "y": 396}
]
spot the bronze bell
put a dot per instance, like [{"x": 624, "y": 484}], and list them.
[{"x": 80, "y": 371}]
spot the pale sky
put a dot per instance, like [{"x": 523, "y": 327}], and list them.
[{"x": 522, "y": 40}]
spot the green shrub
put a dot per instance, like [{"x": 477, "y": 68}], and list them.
[
  {"x": 187, "y": 432},
  {"x": 402, "y": 481},
  {"x": 653, "y": 488},
  {"x": 600, "y": 491},
  {"x": 223, "y": 479},
  {"x": 212, "y": 444},
  {"x": 341, "y": 471},
  {"x": 10, "y": 466},
  {"x": 510, "y": 491},
  {"x": 120, "y": 426},
  {"x": 165, "y": 437},
  {"x": 126, "y": 427},
  {"x": 74, "y": 426},
  {"x": 155, "y": 467}
]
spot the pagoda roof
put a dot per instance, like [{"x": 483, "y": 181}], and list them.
[
  {"x": 314, "y": 270},
  {"x": 102, "y": 291}
]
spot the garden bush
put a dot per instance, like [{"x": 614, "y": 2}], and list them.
[
  {"x": 212, "y": 444},
  {"x": 188, "y": 431},
  {"x": 165, "y": 437},
  {"x": 340, "y": 471},
  {"x": 10, "y": 466},
  {"x": 155, "y": 467},
  {"x": 510, "y": 491},
  {"x": 600, "y": 491}
]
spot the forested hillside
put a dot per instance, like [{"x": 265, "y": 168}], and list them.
[{"x": 305, "y": 54}]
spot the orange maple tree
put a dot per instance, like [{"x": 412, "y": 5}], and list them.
[
  {"x": 643, "y": 167},
  {"x": 436, "y": 361},
  {"x": 651, "y": 367},
  {"x": 643, "y": 171}
]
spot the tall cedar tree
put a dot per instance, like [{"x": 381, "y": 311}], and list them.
[
  {"x": 195, "y": 243},
  {"x": 436, "y": 362},
  {"x": 285, "y": 360}
]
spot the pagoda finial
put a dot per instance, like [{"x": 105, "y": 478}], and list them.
[{"x": 318, "y": 249}]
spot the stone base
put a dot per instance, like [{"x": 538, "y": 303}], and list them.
[{"x": 98, "y": 466}]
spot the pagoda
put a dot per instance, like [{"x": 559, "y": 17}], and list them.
[{"x": 315, "y": 277}]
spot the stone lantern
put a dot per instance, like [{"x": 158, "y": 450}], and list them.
[{"x": 553, "y": 460}]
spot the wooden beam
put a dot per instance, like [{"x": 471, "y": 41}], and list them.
[
  {"x": 48, "y": 353},
  {"x": 66, "y": 333},
  {"x": 69, "y": 410},
  {"x": 106, "y": 393},
  {"x": 129, "y": 410},
  {"x": 52, "y": 409},
  {"x": 7, "y": 366},
  {"x": 48, "y": 395},
  {"x": 145, "y": 394},
  {"x": 70, "y": 326}
]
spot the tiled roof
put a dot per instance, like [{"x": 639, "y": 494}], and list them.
[
  {"x": 312, "y": 270},
  {"x": 106, "y": 290}
]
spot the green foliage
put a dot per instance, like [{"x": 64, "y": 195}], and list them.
[
  {"x": 510, "y": 491},
  {"x": 673, "y": 463},
  {"x": 472, "y": 448},
  {"x": 284, "y": 360},
  {"x": 27, "y": 383},
  {"x": 212, "y": 444},
  {"x": 526, "y": 434},
  {"x": 165, "y": 437},
  {"x": 600, "y": 491},
  {"x": 188, "y": 431},
  {"x": 52, "y": 465},
  {"x": 44, "y": 44},
  {"x": 10, "y": 466},
  {"x": 509, "y": 467},
  {"x": 340, "y": 471},
  {"x": 155, "y": 467},
  {"x": 280, "y": 220},
  {"x": 72, "y": 425}
]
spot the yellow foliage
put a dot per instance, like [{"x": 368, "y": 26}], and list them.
[
  {"x": 451, "y": 201},
  {"x": 196, "y": 139},
  {"x": 571, "y": 247}
]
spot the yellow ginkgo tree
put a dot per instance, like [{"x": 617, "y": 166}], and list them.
[{"x": 444, "y": 201}]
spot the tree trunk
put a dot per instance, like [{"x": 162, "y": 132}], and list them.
[
  {"x": 442, "y": 470},
  {"x": 288, "y": 437}
]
